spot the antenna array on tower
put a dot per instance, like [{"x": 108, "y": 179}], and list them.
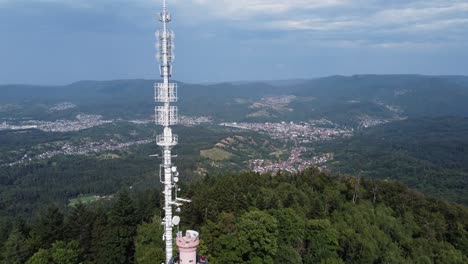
[{"x": 166, "y": 115}]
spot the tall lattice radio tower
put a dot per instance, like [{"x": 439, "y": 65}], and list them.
[{"x": 166, "y": 116}]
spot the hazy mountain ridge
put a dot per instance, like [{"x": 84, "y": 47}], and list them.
[
  {"x": 339, "y": 98},
  {"x": 417, "y": 95}
]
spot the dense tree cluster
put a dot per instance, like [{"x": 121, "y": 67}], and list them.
[
  {"x": 427, "y": 154},
  {"x": 309, "y": 217},
  {"x": 87, "y": 234}
]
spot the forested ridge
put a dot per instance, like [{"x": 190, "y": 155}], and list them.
[
  {"x": 309, "y": 217},
  {"x": 414, "y": 95},
  {"x": 427, "y": 154}
]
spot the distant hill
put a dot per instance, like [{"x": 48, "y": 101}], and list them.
[
  {"x": 338, "y": 98},
  {"x": 415, "y": 95}
]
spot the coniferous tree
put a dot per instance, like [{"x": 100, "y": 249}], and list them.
[
  {"x": 79, "y": 227},
  {"x": 5, "y": 229},
  {"x": 117, "y": 242},
  {"x": 99, "y": 230},
  {"x": 48, "y": 228},
  {"x": 146, "y": 205},
  {"x": 16, "y": 249},
  {"x": 149, "y": 246}
]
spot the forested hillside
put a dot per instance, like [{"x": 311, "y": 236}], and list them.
[
  {"x": 428, "y": 154},
  {"x": 415, "y": 95},
  {"x": 343, "y": 99},
  {"x": 308, "y": 217},
  {"x": 25, "y": 188}
]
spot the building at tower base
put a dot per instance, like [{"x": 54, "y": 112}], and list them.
[{"x": 187, "y": 249}]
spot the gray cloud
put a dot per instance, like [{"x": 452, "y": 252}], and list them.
[
  {"x": 67, "y": 40},
  {"x": 365, "y": 18}
]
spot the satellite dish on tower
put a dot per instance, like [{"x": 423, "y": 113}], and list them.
[{"x": 175, "y": 220}]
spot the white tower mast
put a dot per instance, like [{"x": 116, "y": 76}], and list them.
[{"x": 166, "y": 115}]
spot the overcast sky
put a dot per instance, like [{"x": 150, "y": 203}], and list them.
[{"x": 62, "y": 41}]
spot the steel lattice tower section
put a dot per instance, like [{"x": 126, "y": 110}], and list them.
[{"x": 166, "y": 116}]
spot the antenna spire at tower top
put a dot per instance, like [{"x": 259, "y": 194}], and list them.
[{"x": 165, "y": 16}]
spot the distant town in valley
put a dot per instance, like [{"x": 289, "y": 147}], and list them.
[{"x": 298, "y": 133}]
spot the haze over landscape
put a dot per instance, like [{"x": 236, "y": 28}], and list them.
[{"x": 308, "y": 131}]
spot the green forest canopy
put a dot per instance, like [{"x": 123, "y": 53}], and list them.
[{"x": 307, "y": 217}]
